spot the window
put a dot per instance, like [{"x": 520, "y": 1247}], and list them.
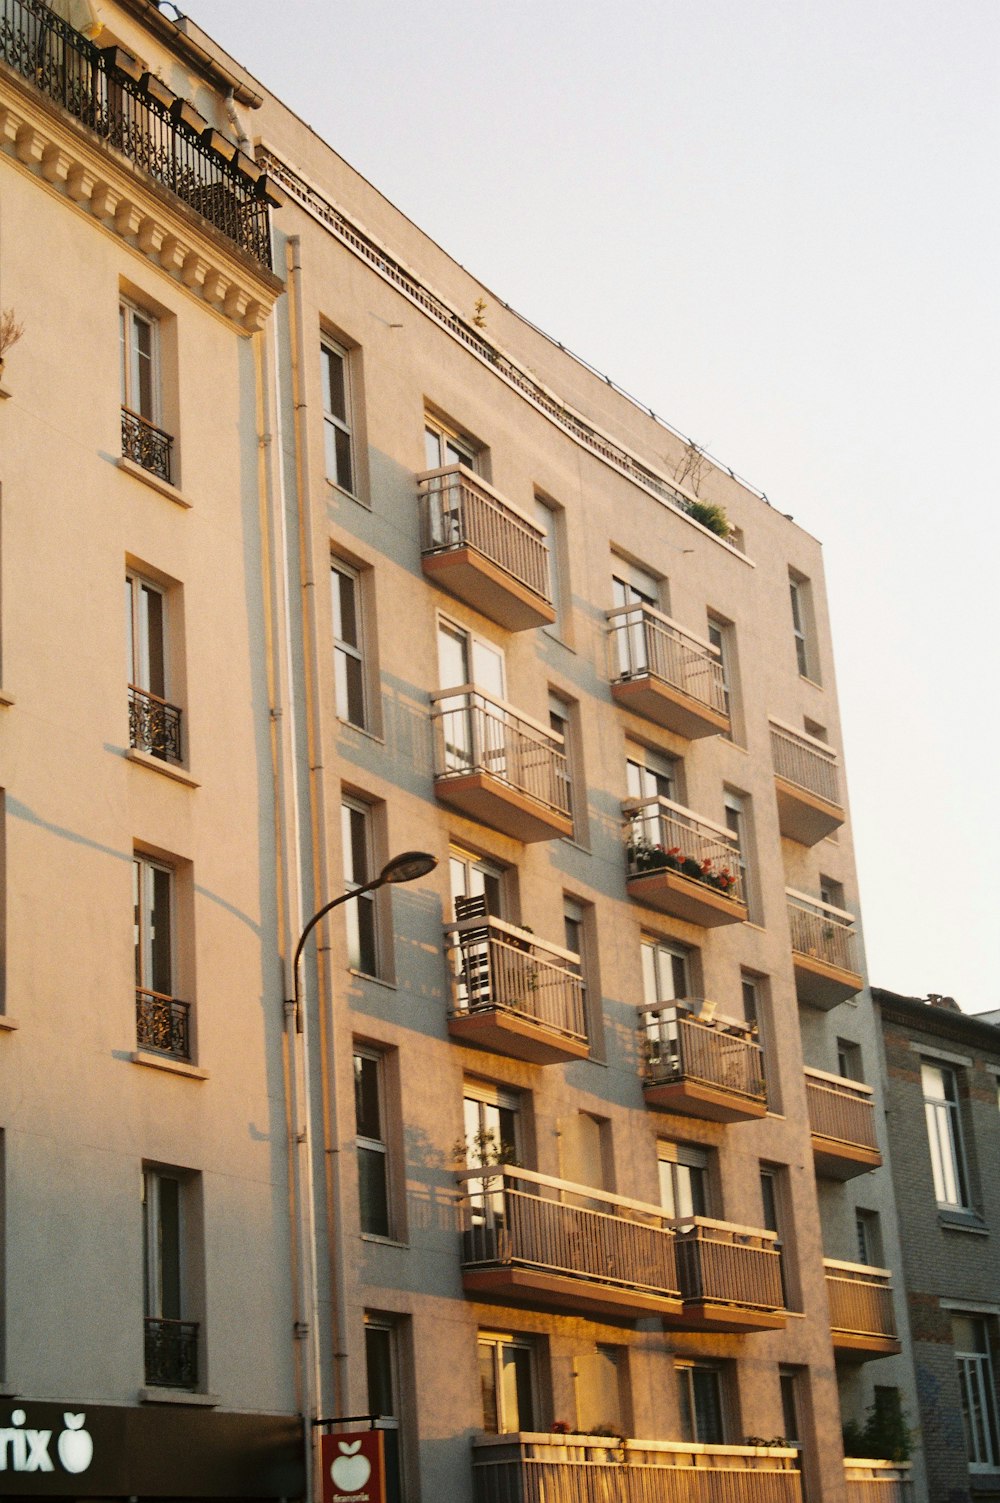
[
  {"x": 601, "y": 1399},
  {"x": 444, "y": 447},
  {"x": 372, "y": 1145},
  {"x": 143, "y": 440},
  {"x": 3, "y": 911},
  {"x": 944, "y": 1134},
  {"x": 977, "y": 1387},
  {"x": 171, "y": 1337},
  {"x": 849, "y": 1060},
  {"x": 337, "y": 421},
  {"x": 509, "y": 1383},
  {"x": 492, "y": 1125},
  {"x": 803, "y": 629},
  {"x": 360, "y": 915},
  {"x": 162, "y": 1022},
  {"x": 473, "y": 877},
  {"x": 551, "y": 520},
  {"x": 472, "y": 736},
  {"x": 563, "y": 722},
  {"x": 383, "y": 1338},
  {"x": 700, "y": 1395},
  {"x": 869, "y": 1234},
  {"x": 718, "y": 635},
  {"x": 632, "y": 586},
  {"x": 791, "y": 1424},
  {"x": 772, "y": 1195},
  {"x": 154, "y": 724},
  {"x": 736, "y": 823},
  {"x": 666, "y": 972},
  {"x": 683, "y": 1180},
  {"x": 348, "y": 644},
  {"x": 650, "y": 774}
]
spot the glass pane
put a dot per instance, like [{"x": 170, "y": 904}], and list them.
[
  {"x": 160, "y": 938},
  {"x": 345, "y": 611},
  {"x": 142, "y": 393},
  {"x": 378, "y": 1356},
  {"x": 170, "y": 1248},
  {"x": 367, "y": 1105},
  {"x": 667, "y": 1197},
  {"x": 350, "y": 689},
  {"x": 334, "y": 384},
  {"x": 707, "y": 1406},
  {"x": 344, "y": 471},
  {"x": 154, "y": 668},
  {"x": 138, "y": 922},
  {"x": 452, "y": 658},
  {"x": 488, "y": 1387},
  {"x": 487, "y": 668},
  {"x": 517, "y": 1408},
  {"x": 432, "y": 449},
  {"x": 373, "y": 1192}
]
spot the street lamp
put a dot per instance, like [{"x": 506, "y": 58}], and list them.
[{"x": 406, "y": 867}]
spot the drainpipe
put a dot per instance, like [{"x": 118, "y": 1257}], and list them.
[{"x": 241, "y": 136}]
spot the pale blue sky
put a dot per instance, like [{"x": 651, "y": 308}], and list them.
[{"x": 776, "y": 224}]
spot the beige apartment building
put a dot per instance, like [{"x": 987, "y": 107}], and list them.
[{"x": 563, "y": 1162}]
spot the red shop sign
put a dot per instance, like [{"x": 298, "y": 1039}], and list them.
[{"x": 353, "y": 1467}]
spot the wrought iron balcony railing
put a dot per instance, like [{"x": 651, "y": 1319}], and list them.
[
  {"x": 459, "y": 510},
  {"x": 146, "y": 445},
  {"x": 822, "y": 932},
  {"x": 530, "y": 1468},
  {"x": 108, "y": 94},
  {"x": 171, "y": 1349},
  {"x": 162, "y": 1024},
  {"x": 861, "y": 1312},
  {"x": 154, "y": 726},
  {"x": 477, "y": 734},
  {"x": 498, "y": 966},
  {"x": 645, "y": 642},
  {"x": 804, "y": 761},
  {"x": 683, "y": 1043}
]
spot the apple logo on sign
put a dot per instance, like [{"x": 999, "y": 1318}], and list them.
[
  {"x": 75, "y": 1447},
  {"x": 350, "y": 1471}
]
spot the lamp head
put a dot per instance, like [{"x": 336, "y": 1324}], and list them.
[{"x": 407, "y": 867}]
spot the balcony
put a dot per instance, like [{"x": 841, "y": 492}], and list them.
[
  {"x": 526, "y": 1468},
  {"x": 877, "y": 1481},
  {"x": 171, "y": 1353},
  {"x": 730, "y": 1277},
  {"x": 154, "y": 726},
  {"x": 146, "y": 445},
  {"x": 666, "y": 674},
  {"x": 806, "y": 783},
  {"x": 842, "y": 1122},
  {"x": 499, "y": 767},
  {"x": 701, "y": 1065},
  {"x": 824, "y": 951},
  {"x": 162, "y": 1024},
  {"x": 530, "y": 1239},
  {"x": 135, "y": 114},
  {"x": 515, "y": 994},
  {"x": 475, "y": 545},
  {"x": 862, "y": 1322},
  {"x": 682, "y": 864}
]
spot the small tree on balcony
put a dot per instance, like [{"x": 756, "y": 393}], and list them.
[{"x": 885, "y": 1435}]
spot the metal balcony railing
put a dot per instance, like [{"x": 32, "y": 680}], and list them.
[
  {"x": 459, "y": 510},
  {"x": 529, "y": 1468},
  {"x": 870, "y": 1481},
  {"x": 822, "y": 932},
  {"x": 110, "y": 100},
  {"x": 162, "y": 1024},
  {"x": 146, "y": 445},
  {"x": 728, "y": 1265},
  {"x": 517, "y": 1217},
  {"x": 680, "y": 1045},
  {"x": 804, "y": 761},
  {"x": 860, "y": 1300},
  {"x": 643, "y": 641},
  {"x": 475, "y": 733},
  {"x": 841, "y": 1109},
  {"x": 664, "y": 836},
  {"x": 495, "y": 965},
  {"x": 154, "y": 726},
  {"x": 171, "y": 1351}
]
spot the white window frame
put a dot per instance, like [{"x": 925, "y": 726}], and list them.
[
  {"x": 391, "y": 1424},
  {"x": 978, "y": 1396},
  {"x": 363, "y": 909},
  {"x": 144, "y": 870},
  {"x": 345, "y": 651},
  {"x": 375, "y": 1147},
  {"x": 138, "y": 639},
  {"x": 463, "y": 449},
  {"x": 153, "y": 1240},
  {"x": 665, "y": 965},
  {"x": 334, "y": 423},
  {"x": 943, "y": 1118},
  {"x": 129, "y": 314},
  {"x": 493, "y": 879},
  {"x": 496, "y": 1344},
  {"x": 680, "y": 1167},
  {"x": 651, "y": 774}
]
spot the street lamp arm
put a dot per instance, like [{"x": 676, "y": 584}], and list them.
[{"x": 345, "y": 897}]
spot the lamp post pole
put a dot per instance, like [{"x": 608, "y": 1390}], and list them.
[{"x": 409, "y": 866}]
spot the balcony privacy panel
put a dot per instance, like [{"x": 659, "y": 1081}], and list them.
[
  {"x": 860, "y": 1301},
  {"x": 720, "y": 1264}
]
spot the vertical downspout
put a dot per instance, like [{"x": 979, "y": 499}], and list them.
[{"x": 325, "y": 1013}]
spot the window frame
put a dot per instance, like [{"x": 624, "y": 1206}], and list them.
[
  {"x": 499, "y": 1342},
  {"x": 394, "y": 1425},
  {"x": 688, "y": 1408},
  {"x": 467, "y": 451},
  {"x": 947, "y": 1116},
  {"x": 344, "y": 650},
  {"x": 336, "y": 423},
  {"x": 370, "y": 1149},
  {"x": 144, "y": 868},
  {"x": 187, "y": 1253},
  {"x": 129, "y": 313},
  {"x": 976, "y": 1371},
  {"x": 684, "y": 1166},
  {"x": 656, "y": 956},
  {"x": 361, "y": 914}
]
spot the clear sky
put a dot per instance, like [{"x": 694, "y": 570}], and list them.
[{"x": 776, "y": 224}]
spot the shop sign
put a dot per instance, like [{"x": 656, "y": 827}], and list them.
[{"x": 353, "y": 1467}]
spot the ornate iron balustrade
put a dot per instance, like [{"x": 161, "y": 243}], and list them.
[
  {"x": 683, "y": 1046},
  {"x": 728, "y": 1265},
  {"x": 108, "y": 98},
  {"x": 822, "y": 932},
  {"x": 154, "y": 726},
  {"x": 514, "y": 1216},
  {"x": 475, "y": 733},
  {"x": 841, "y": 1109},
  {"x": 860, "y": 1300},
  {"x": 664, "y": 836},
  {"x": 806, "y": 762},
  {"x": 499, "y": 966},
  {"x": 643, "y": 641},
  {"x": 146, "y": 445},
  {"x": 459, "y": 510},
  {"x": 162, "y": 1024},
  {"x": 528, "y": 1468},
  {"x": 171, "y": 1348}
]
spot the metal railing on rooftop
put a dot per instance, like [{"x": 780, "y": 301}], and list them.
[
  {"x": 680, "y": 1045},
  {"x": 92, "y": 85},
  {"x": 643, "y": 641},
  {"x": 499, "y": 966},
  {"x": 473, "y": 732},
  {"x": 459, "y": 510},
  {"x": 806, "y": 762}
]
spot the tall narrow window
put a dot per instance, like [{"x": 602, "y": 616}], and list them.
[
  {"x": 551, "y": 521},
  {"x": 508, "y": 1384},
  {"x": 718, "y": 636},
  {"x": 372, "y": 1143},
  {"x": 791, "y": 1425},
  {"x": 631, "y": 589},
  {"x": 473, "y": 876},
  {"x": 977, "y": 1388},
  {"x": 700, "y": 1394},
  {"x": 666, "y": 972},
  {"x": 162, "y": 1022},
  {"x": 772, "y": 1198},
  {"x": 143, "y": 439},
  {"x": 562, "y": 722},
  {"x": 348, "y": 644},
  {"x": 338, "y": 427},
  {"x": 171, "y": 1340},
  {"x": 944, "y": 1134},
  {"x": 803, "y": 629},
  {"x": 154, "y": 723},
  {"x": 683, "y": 1180},
  {"x": 650, "y": 774},
  {"x": 600, "y": 1391},
  {"x": 736, "y": 823},
  {"x": 383, "y": 1363},
  {"x": 869, "y": 1235},
  {"x": 359, "y": 867}
]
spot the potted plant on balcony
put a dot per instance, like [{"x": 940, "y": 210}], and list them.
[{"x": 646, "y": 857}]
